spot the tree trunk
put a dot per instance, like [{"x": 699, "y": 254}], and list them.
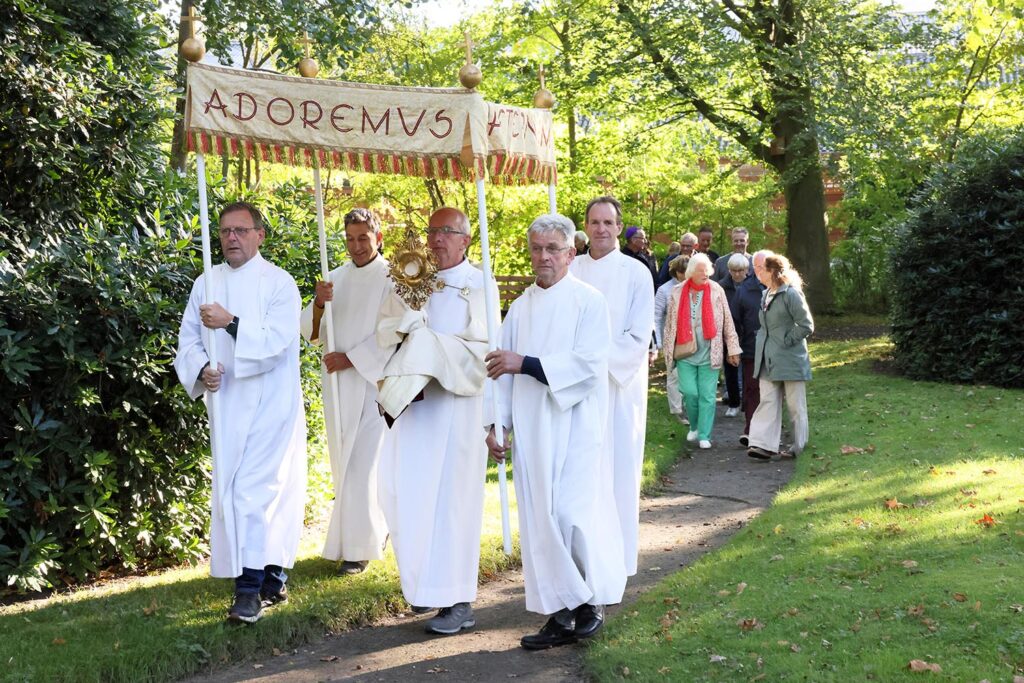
[
  {"x": 179, "y": 153},
  {"x": 804, "y": 189}
]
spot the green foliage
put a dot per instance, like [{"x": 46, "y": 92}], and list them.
[{"x": 957, "y": 297}]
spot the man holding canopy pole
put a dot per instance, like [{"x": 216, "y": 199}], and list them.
[
  {"x": 357, "y": 531},
  {"x": 433, "y": 461},
  {"x": 259, "y": 466}
]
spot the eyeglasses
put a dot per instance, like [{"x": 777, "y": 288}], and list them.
[
  {"x": 553, "y": 251},
  {"x": 444, "y": 230},
  {"x": 241, "y": 232}
]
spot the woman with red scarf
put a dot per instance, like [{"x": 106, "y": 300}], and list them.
[{"x": 698, "y": 320}]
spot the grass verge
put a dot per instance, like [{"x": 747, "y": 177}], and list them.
[
  {"x": 169, "y": 625},
  {"x": 900, "y": 538}
]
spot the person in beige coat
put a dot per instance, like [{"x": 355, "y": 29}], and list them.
[{"x": 696, "y": 325}]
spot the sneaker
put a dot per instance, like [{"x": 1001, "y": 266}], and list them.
[
  {"x": 759, "y": 453},
  {"x": 704, "y": 443},
  {"x": 351, "y": 568},
  {"x": 732, "y": 412},
  {"x": 451, "y": 620},
  {"x": 247, "y": 608},
  {"x": 271, "y": 598},
  {"x": 744, "y": 440},
  {"x": 691, "y": 436}
]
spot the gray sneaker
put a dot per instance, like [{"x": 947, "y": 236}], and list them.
[{"x": 451, "y": 620}]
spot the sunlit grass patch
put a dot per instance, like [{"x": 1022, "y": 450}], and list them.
[{"x": 900, "y": 538}]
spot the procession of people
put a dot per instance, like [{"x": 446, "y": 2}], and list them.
[{"x": 417, "y": 404}]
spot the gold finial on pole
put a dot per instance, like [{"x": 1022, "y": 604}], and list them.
[
  {"x": 307, "y": 65},
  {"x": 191, "y": 48},
  {"x": 543, "y": 99},
  {"x": 470, "y": 75}
]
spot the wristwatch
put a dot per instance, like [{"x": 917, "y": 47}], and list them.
[{"x": 232, "y": 327}]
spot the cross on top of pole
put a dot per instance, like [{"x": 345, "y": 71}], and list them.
[
  {"x": 305, "y": 41},
  {"x": 469, "y": 74},
  {"x": 469, "y": 48}
]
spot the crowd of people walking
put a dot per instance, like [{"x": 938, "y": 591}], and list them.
[{"x": 409, "y": 430}]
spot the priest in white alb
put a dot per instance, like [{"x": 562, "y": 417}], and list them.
[
  {"x": 433, "y": 461},
  {"x": 552, "y": 381},
  {"x": 626, "y": 285},
  {"x": 259, "y": 466},
  {"x": 357, "y": 532}
]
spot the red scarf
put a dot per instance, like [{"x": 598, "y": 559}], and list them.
[{"x": 684, "y": 332}]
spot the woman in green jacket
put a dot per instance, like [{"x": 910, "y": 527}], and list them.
[{"x": 781, "y": 363}]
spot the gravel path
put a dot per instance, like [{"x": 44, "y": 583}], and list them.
[{"x": 704, "y": 501}]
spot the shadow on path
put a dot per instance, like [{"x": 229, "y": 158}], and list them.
[{"x": 705, "y": 499}]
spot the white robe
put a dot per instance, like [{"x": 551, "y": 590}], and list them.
[
  {"x": 572, "y": 549},
  {"x": 357, "y": 530},
  {"x": 626, "y": 285},
  {"x": 259, "y": 471},
  {"x": 434, "y": 460}
]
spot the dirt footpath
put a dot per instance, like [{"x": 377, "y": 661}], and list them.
[{"x": 705, "y": 500}]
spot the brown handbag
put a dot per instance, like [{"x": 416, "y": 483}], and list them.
[{"x": 685, "y": 350}]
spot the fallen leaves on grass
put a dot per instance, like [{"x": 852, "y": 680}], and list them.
[
  {"x": 908, "y": 564},
  {"x": 989, "y": 472},
  {"x": 776, "y": 558},
  {"x": 750, "y": 624},
  {"x": 921, "y": 665},
  {"x": 740, "y": 587},
  {"x": 988, "y": 521},
  {"x": 851, "y": 450},
  {"x": 716, "y": 659},
  {"x": 893, "y": 504},
  {"x": 959, "y": 597},
  {"x": 151, "y": 610},
  {"x": 59, "y": 641},
  {"x": 915, "y": 610}
]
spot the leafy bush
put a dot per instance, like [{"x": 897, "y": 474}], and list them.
[{"x": 958, "y": 298}]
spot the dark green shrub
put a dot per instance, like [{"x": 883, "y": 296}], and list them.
[{"x": 958, "y": 298}]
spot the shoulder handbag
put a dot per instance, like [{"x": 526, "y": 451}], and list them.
[{"x": 685, "y": 350}]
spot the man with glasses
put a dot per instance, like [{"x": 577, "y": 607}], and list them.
[
  {"x": 626, "y": 286},
  {"x": 259, "y": 466},
  {"x": 433, "y": 461},
  {"x": 357, "y": 531},
  {"x": 551, "y": 373}
]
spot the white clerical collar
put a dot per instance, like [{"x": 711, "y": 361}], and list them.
[{"x": 245, "y": 266}]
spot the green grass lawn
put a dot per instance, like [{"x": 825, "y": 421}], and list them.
[
  {"x": 169, "y": 625},
  {"x": 900, "y": 538}
]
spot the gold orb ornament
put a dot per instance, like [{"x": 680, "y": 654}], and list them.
[
  {"x": 470, "y": 76},
  {"x": 192, "y": 49},
  {"x": 308, "y": 67},
  {"x": 543, "y": 98}
]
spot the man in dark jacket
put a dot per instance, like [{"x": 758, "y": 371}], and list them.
[
  {"x": 744, "y": 307},
  {"x": 636, "y": 246}
]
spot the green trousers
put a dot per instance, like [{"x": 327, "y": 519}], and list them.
[{"x": 699, "y": 384}]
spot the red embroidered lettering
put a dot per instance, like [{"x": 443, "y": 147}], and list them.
[
  {"x": 308, "y": 122},
  {"x": 401, "y": 117},
  {"x": 335, "y": 117},
  {"x": 385, "y": 120},
  {"x": 252, "y": 103},
  {"x": 215, "y": 97},
  {"x": 439, "y": 118},
  {"x": 270, "y": 111}
]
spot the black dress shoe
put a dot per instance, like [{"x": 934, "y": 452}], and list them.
[
  {"x": 352, "y": 567},
  {"x": 759, "y": 453},
  {"x": 552, "y": 634},
  {"x": 589, "y": 620}
]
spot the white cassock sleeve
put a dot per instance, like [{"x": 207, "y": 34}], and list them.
[
  {"x": 262, "y": 344},
  {"x": 570, "y": 372},
  {"x": 631, "y": 342},
  {"x": 191, "y": 356}
]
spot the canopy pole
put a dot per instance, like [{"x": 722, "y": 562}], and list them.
[
  {"x": 212, "y": 398},
  {"x": 552, "y": 204},
  {"x": 491, "y": 310},
  {"x": 332, "y": 377}
]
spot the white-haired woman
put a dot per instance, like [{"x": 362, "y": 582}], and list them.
[
  {"x": 697, "y": 323},
  {"x": 781, "y": 362}
]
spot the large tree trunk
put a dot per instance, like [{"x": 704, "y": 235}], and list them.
[
  {"x": 179, "y": 153},
  {"x": 806, "y": 232}
]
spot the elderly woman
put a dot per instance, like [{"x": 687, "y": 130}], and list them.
[
  {"x": 697, "y": 322},
  {"x": 781, "y": 362},
  {"x": 738, "y": 266},
  {"x": 676, "y": 270}
]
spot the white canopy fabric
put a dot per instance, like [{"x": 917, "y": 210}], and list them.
[{"x": 448, "y": 133}]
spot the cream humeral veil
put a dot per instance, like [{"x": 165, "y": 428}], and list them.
[{"x": 456, "y": 362}]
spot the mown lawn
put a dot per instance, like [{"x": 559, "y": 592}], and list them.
[
  {"x": 169, "y": 625},
  {"x": 900, "y": 538}
]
